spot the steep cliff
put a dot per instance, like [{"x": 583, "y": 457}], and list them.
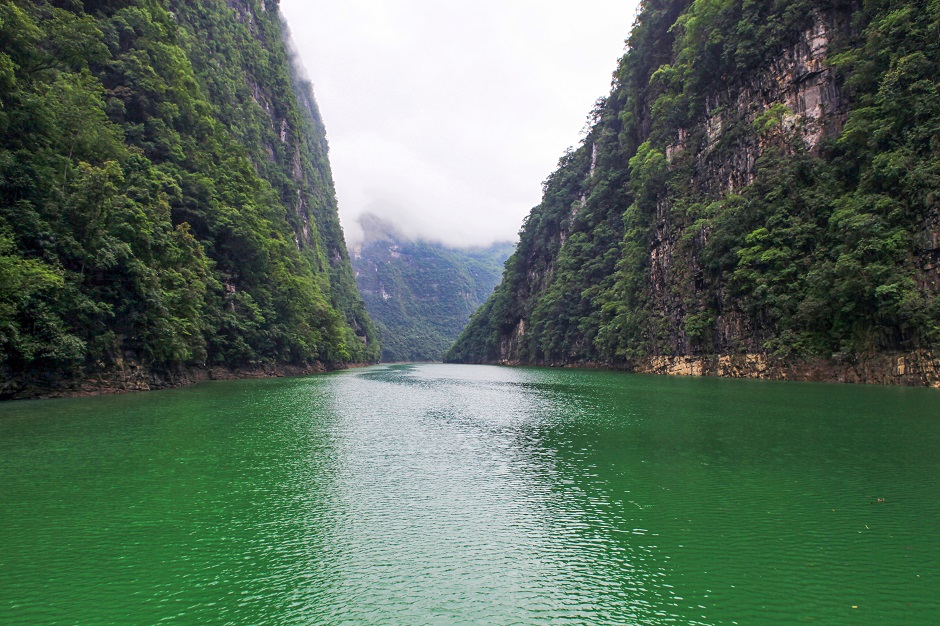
[
  {"x": 166, "y": 201},
  {"x": 420, "y": 294},
  {"x": 756, "y": 197}
]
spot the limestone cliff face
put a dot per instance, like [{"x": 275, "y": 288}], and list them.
[
  {"x": 292, "y": 140},
  {"x": 730, "y": 210},
  {"x": 182, "y": 219},
  {"x": 806, "y": 91}
]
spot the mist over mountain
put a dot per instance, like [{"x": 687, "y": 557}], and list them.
[
  {"x": 445, "y": 117},
  {"x": 420, "y": 294}
]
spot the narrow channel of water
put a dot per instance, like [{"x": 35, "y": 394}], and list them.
[{"x": 445, "y": 494}]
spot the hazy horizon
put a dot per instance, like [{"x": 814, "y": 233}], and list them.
[
  {"x": 445, "y": 120},
  {"x": 374, "y": 228}
]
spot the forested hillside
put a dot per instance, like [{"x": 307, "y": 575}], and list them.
[
  {"x": 166, "y": 199},
  {"x": 758, "y": 195},
  {"x": 420, "y": 294}
]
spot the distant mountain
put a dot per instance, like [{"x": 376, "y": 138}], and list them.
[{"x": 421, "y": 294}]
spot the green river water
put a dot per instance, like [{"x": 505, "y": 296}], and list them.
[{"x": 446, "y": 494}]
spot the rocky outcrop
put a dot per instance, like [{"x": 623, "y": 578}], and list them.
[
  {"x": 799, "y": 79},
  {"x": 745, "y": 203},
  {"x": 799, "y": 95},
  {"x": 916, "y": 369}
]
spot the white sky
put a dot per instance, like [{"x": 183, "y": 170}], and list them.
[{"x": 445, "y": 117}]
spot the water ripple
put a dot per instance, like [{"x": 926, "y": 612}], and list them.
[{"x": 465, "y": 495}]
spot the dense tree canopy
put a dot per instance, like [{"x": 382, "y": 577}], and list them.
[
  {"x": 698, "y": 218},
  {"x": 421, "y": 294},
  {"x": 165, "y": 193}
]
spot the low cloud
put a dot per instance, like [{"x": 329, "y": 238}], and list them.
[{"x": 444, "y": 119}]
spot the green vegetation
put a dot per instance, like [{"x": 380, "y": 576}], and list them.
[
  {"x": 663, "y": 235},
  {"x": 165, "y": 193},
  {"x": 421, "y": 294}
]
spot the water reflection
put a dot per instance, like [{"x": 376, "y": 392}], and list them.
[
  {"x": 453, "y": 504},
  {"x": 450, "y": 494}
]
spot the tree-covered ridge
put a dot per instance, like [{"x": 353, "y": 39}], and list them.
[
  {"x": 165, "y": 194},
  {"x": 762, "y": 178},
  {"x": 420, "y": 294}
]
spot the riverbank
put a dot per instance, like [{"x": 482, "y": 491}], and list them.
[
  {"x": 131, "y": 377},
  {"x": 910, "y": 369}
]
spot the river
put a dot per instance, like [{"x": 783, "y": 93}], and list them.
[{"x": 449, "y": 494}]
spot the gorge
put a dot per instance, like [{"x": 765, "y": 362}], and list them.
[
  {"x": 756, "y": 198},
  {"x": 420, "y": 294}
]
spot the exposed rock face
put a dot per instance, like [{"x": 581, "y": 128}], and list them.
[
  {"x": 801, "y": 80},
  {"x": 510, "y": 345},
  {"x": 911, "y": 369},
  {"x": 701, "y": 227}
]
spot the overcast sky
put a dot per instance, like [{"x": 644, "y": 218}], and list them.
[{"x": 445, "y": 117}]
